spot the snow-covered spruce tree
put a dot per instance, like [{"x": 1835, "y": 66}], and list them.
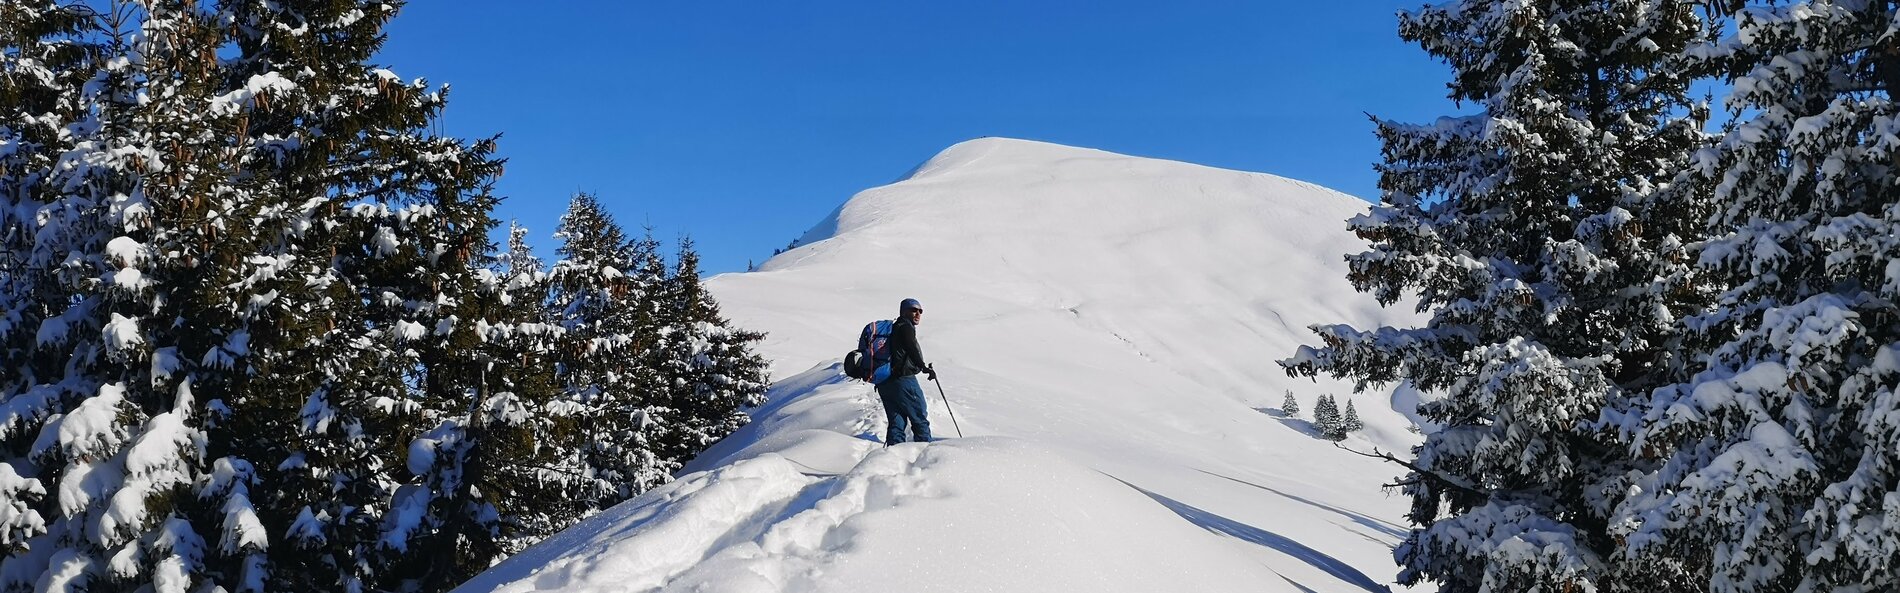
[
  {"x": 711, "y": 371},
  {"x": 59, "y": 45},
  {"x": 248, "y": 289},
  {"x": 380, "y": 314},
  {"x": 494, "y": 463},
  {"x": 1781, "y": 456},
  {"x": 519, "y": 267},
  {"x": 660, "y": 371},
  {"x": 607, "y": 378},
  {"x": 1348, "y": 422},
  {"x": 50, "y": 52},
  {"x": 1325, "y": 415},
  {"x": 1538, "y": 236},
  {"x": 525, "y": 342},
  {"x": 1289, "y": 406},
  {"x": 110, "y": 395}
]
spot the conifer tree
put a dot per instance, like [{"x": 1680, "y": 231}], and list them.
[
  {"x": 262, "y": 286},
  {"x": 394, "y": 311},
  {"x": 1326, "y": 415},
  {"x": 538, "y": 435},
  {"x": 659, "y": 371},
  {"x": 127, "y": 243},
  {"x": 1780, "y": 458},
  {"x": 1349, "y": 422},
  {"x": 710, "y": 370},
  {"x": 1290, "y": 406},
  {"x": 61, "y": 43},
  {"x": 653, "y": 373},
  {"x": 607, "y": 378},
  {"x": 519, "y": 267},
  {"x": 1539, "y": 235}
]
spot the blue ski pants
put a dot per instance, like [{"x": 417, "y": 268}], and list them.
[{"x": 903, "y": 402}]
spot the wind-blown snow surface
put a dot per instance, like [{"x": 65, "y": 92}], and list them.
[{"x": 1105, "y": 327}]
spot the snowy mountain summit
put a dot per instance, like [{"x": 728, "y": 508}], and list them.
[{"x": 1105, "y": 328}]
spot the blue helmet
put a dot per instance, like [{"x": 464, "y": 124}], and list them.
[{"x": 909, "y": 304}]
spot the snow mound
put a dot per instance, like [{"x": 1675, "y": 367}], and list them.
[{"x": 1105, "y": 328}]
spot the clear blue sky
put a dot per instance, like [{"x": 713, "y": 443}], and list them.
[{"x": 744, "y": 123}]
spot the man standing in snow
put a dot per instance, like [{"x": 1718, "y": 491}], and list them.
[{"x": 903, "y": 398}]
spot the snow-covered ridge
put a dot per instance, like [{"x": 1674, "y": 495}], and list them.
[{"x": 1105, "y": 327}]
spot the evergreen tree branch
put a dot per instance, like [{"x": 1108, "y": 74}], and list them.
[
  {"x": 533, "y": 466},
  {"x": 1455, "y": 483}
]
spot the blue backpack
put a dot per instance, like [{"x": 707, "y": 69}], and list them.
[{"x": 872, "y": 360}]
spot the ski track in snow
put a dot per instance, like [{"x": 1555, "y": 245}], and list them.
[
  {"x": 787, "y": 551},
  {"x": 760, "y": 518},
  {"x": 766, "y": 522}
]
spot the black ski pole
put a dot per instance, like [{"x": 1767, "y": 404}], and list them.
[{"x": 946, "y": 405}]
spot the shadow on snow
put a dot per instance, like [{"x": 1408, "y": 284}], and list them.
[
  {"x": 1249, "y": 533},
  {"x": 1373, "y": 523},
  {"x": 1304, "y": 426}
]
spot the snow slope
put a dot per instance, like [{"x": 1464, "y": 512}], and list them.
[{"x": 1105, "y": 327}]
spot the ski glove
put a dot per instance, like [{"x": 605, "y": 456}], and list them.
[{"x": 931, "y": 371}]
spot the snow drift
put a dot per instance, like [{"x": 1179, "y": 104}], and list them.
[{"x": 1105, "y": 327}]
